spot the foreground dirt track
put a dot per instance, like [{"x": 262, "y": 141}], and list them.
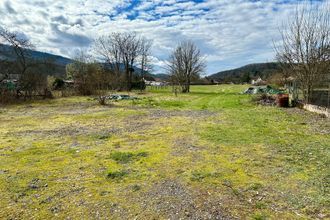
[{"x": 211, "y": 154}]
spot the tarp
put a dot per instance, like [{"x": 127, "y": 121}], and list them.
[
  {"x": 262, "y": 90},
  {"x": 8, "y": 85}
]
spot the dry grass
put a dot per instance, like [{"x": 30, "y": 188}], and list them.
[{"x": 211, "y": 154}]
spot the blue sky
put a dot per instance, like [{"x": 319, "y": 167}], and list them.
[{"x": 230, "y": 33}]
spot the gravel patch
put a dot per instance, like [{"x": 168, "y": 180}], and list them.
[
  {"x": 71, "y": 130},
  {"x": 173, "y": 200},
  {"x": 184, "y": 145},
  {"x": 318, "y": 123}
]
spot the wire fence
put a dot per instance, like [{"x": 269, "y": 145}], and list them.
[{"x": 321, "y": 94}]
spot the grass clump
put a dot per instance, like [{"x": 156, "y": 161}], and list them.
[
  {"x": 136, "y": 188},
  {"x": 261, "y": 205},
  {"x": 255, "y": 186},
  {"x": 103, "y": 136},
  {"x": 201, "y": 175},
  {"x": 117, "y": 174},
  {"x": 259, "y": 216},
  {"x": 126, "y": 157}
]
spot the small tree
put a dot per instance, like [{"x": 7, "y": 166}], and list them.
[
  {"x": 108, "y": 49},
  {"x": 145, "y": 51},
  {"x": 186, "y": 63},
  {"x": 89, "y": 77},
  {"x": 78, "y": 71},
  {"x": 305, "y": 46},
  {"x": 130, "y": 47},
  {"x": 34, "y": 83}
]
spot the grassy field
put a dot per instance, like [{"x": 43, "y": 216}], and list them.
[{"x": 211, "y": 154}]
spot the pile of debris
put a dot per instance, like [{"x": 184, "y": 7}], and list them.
[
  {"x": 262, "y": 90},
  {"x": 265, "y": 99},
  {"x": 118, "y": 97},
  {"x": 121, "y": 97},
  {"x": 266, "y": 95}
]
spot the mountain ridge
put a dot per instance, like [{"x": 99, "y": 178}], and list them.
[
  {"x": 246, "y": 72},
  {"x": 236, "y": 75}
]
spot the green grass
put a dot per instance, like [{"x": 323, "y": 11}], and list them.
[
  {"x": 71, "y": 157},
  {"x": 117, "y": 174},
  {"x": 126, "y": 157}
]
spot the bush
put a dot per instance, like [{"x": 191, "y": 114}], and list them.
[{"x": 32, "y": 84}]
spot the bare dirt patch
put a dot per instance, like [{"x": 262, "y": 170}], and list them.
[
  {"x": 318, "y": 123},
  {"x": 174, "y": 200}
]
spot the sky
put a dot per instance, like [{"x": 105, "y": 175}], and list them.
[{"x": 230, "y": 33}]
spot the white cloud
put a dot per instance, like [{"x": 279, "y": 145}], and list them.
[{"x": 230, "y": 32}]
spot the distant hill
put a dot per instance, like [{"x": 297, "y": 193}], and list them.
[
  {"x": 58, "y": 63},
  {"x": 7, "y": 53},
  {"x": 242, "y": 74},
  {"x": 161, "y": 76}
]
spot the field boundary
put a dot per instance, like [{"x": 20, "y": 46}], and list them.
[{"x": 318, "y": 109}]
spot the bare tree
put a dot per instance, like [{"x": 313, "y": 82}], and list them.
[
  {"x": 108, "y": 48},
  {"x": 89, "y": 77},
  {"x": 129, "y": 44},
  {"x": 79, "y": 72},
  {"x": 20, "y": 45},
  {"x": 186, "y": 62},
  {"x": 145, "y": 51},
  {"x": 305, "y": 46},
  {"x": 121, "y": 51}
]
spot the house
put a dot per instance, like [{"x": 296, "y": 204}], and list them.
[
  {"x": 154, "y": 83},
  {"x": 258, "y": 82}
]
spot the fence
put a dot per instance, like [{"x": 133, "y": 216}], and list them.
[
  {"x": 321, "y": 94},
  {"x": 321, "y": 97}
]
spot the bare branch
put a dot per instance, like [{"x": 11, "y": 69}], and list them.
[
  {"x": 186, "y": 62},
  {"x": 304, "y": 49}
]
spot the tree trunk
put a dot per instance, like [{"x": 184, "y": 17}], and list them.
[{"x": 128, "y": 84}]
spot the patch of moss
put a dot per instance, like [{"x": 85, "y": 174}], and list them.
[
  {"x": 201, "y": 175},
  {"x": 126, "y": 157}
]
